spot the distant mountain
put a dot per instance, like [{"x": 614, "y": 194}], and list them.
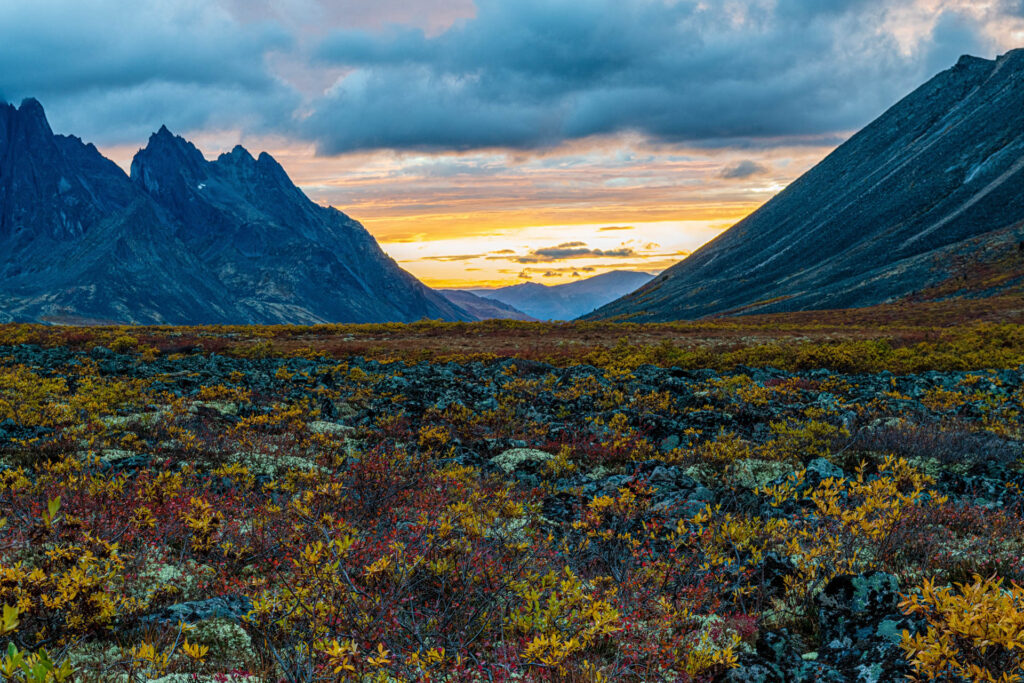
[
  {"x": 183, "y": 240},
  {"x": 922, "y": 202},
  {"x": 568, "y": 301},
  {"x": 481, "y": 308}
]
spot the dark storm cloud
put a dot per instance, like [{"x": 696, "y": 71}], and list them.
[
  {"x": 1012, "y": 8},
  {"x": 571, "y": 250},
  {"x": 530, "y": 73},
  {"x": 453, "y": 257},
  {"x": 432, "y": 74},
  {"x": 803, "y": 10},
  {"x": 743, "y": 169},
  {"x": 113, "y": 71},
  {"x": 953, "y": 35}
]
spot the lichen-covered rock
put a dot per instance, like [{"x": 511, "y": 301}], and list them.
[
  {"x": 228, "y": 642},
  {"x": 181, "y": 579},
  {"x": 135, "y": 419},
  {"x": 861, "y": 624},
  {"x": 332, "y": 428},
  {"x": 820, "y": 469},
  {"x": 226, "y": 408},
  {"x": 520, "y": 460},
  {"x": 754, "y": 473},
  {"x": 268, "y": 465}
]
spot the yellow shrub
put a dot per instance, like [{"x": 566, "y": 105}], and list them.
[
  {"x": 974, "y": 631},
  {"x": 433, "y": 437},
  {"x": 801, "y": 441},
  {"x": 726, "y": 449},
  {"x": 942, "y": 400},
  {"x": 561, "y": 616},
  {"x": 124, "y": 343}
]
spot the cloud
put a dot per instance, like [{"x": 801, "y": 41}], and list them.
[
  {"x": 612, "y": 228},
  {"x": 572, "y": 250},
  {"x": 455, "y": 257},
  {"x": 573, "y": 271},
  {"x": 954, "y": 34},
  {"x": 589, "y": 271},
  {"x": 743, "y": 169},
  {"x": 534, "y": 73},
  {"x": 114, "y": 71},
  {"x": 463, "y": 75}
]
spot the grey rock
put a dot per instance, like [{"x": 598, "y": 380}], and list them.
[
  {"x": 520, "y": 460},
  {"x": 232, "y": 607},
  {"x": 824, "y": 469}
]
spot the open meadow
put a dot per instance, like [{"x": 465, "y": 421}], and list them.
[{"x": 748, "y": 499}]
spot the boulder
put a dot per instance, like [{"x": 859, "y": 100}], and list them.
[{"x": 526, "y": 460}]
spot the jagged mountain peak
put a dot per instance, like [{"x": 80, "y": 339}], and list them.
[
  {"x": 1011, "y": 55},
  {"x": 269, "y": 166},
  {"x": 972, "y": 61},
  {"x": 164, "y": 141},
  {"x": 26, "y": 122},
  {"x": 237, "y": 155},
  {"x": 53, "y": 188},
  {"x": 166, "y": 155},
  {"x": 169, "y": 159},
  {"x": 182, "y": 240},
  {"x": 31, "y": 107}
]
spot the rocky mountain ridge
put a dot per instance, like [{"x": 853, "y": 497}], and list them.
[
  {"x": 937, "y": 179},
  {"x": 182, "y": 240}
]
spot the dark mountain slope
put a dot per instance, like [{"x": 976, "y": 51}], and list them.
[
  {"x": 878, "y": 219},
  {"x": 184, "y": 241},
  {"x": 79, "y": 241},
  {"x": 52, "y": 186},
  {"x": 278, "y": 253}
]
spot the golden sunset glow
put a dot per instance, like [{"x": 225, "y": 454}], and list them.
[
  {"x": 477, "y": 219},
  {"x": 464, "y": 220}
]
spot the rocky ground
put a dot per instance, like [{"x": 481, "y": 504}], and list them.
[{"x": 315, "y": 518}]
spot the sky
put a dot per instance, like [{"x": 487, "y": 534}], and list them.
[{"x": 490, "y": 142}]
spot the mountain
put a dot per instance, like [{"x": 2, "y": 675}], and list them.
[
  {"x": 568, "y": 301},
  {"x": 481, "y": 308},
  {"x": 919, "y": 203},
  {"x": 182, "y": 240},
  {"x": 79, "y": 241}
]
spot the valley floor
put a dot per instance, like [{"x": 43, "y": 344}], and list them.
[{"x": 827, "y": 497}]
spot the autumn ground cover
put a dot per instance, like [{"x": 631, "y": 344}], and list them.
[{"x": 835, "y": 497}]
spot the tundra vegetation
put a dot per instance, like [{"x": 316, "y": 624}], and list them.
[{"x": 753, "y": 499}]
